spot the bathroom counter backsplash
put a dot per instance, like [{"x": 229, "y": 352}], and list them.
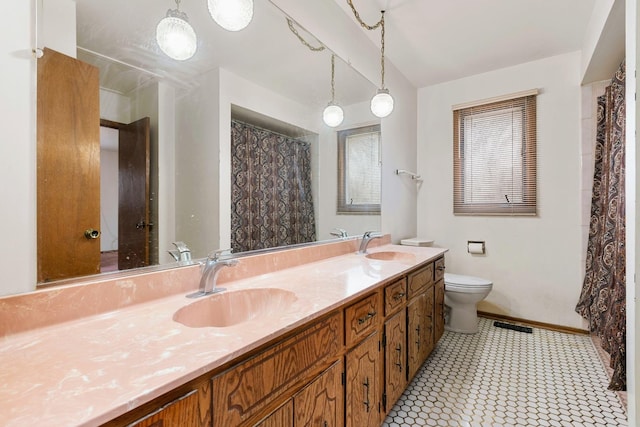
[{"x": 88, "y": 368}]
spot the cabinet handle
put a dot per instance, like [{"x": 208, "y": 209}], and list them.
[
  {"x": 440, "y": 267},
  {"x": 398, "y": 296},
  {"x": 325, "y": 424},
  {"x": 366, "y": 389},
  {"x": 399, "y": 362},
  {"x": 364, "y": 319}
]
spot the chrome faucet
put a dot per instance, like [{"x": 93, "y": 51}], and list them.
[
  {"x": 211, "y": 268},
  {"x": 339, "y": 232},
  {"x": 366, "y": 238},
  {"x": 182, "y": 253}
]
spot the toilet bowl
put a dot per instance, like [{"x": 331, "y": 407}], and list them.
[{"x": 461, "y": 296}]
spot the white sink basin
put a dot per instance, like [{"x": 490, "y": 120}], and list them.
[{"x": 230, "y": 308}]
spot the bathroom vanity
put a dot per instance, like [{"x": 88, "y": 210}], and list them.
[{"x": 336, "y": 345}]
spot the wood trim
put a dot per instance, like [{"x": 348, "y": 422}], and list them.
[
  {"x": 495, "y": 99},
  {"x": 542, "y": 325}
]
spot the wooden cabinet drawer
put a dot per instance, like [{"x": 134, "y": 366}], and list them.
[
  {"x": 245, "y": 389},
  {"x": 361, "y": 318},
  {"x": 395, "y": 296},
  {"x": 439, "y": 269},
  {"x": 419, "y": 280},
  {"x": 182, "y": 411}
]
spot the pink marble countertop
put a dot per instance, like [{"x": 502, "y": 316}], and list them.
[{"x": 89, "y": 370}]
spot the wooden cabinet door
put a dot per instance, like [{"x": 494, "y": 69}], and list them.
[
  {"x": 438, "y": 311},
  {"x": 321, "y": 403},
  {"x": 395, "y": 356},
  {"x": 363, "y": 388},
  {"x": 415, "y": 331},
  {"x": 427, "y": 337},
  {"x": 281, "y": 417}
]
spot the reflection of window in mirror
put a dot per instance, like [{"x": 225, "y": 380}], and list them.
[{"x": 359, "y": 170}]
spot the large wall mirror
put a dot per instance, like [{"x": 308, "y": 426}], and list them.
[{"x": 264, "y": 78}]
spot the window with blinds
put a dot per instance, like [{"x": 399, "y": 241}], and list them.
[
  {"x": 359, "y": 171},
  {"x": 494, "y": 157}
]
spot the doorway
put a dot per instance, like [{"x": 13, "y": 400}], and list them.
[{"x": 124, "y": 192}]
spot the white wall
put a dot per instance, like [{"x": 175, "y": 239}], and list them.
[
  {"x": 18, "y": 150},
  {"x": 534, "y": 262},
  {"x": 165, "y": 223},
  {"x": 109, "y": 191}
]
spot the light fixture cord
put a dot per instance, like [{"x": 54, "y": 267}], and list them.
[
  {"x": 382, "y": 50},
  {"x": 380, "y": 24},
  {"x": 302, "y": 40},
  {"x": 364, "y": 25},
  {"x": 333, "y": 73},
  {"x": 178, "y": 4}
]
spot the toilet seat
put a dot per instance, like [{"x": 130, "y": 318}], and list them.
[{"x": 466, "y": 284}]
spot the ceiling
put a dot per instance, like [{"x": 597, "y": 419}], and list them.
[
  {"x": 118, "y": 36},
  {"x": 432, "y": 41},
  {"x": 429, "y": 41}
]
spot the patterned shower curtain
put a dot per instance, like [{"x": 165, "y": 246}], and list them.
[
  {"x": 603, "y": 298},
  {"x": 271, "y": 198}
]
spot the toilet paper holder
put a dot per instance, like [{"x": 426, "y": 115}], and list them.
[{"x": 476, "y": 247}]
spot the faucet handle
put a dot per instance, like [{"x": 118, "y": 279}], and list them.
[
  {"x": 181, "y": 246},
  {"x": 339, "y": 232},
  {"x": 215, "y": 255}
]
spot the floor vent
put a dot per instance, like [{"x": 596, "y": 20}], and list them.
[{"x": 514, "y": 327}]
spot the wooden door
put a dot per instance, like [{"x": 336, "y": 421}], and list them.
[
  {"x": 133, "y": 194},
  {"x": 395, "y": 351},
  {"x": 321, "y": 403},
  {"x": 363, "y": 388},
  {"x": 68, "y": 167}
]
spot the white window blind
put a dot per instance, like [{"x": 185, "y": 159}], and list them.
[
  {"x": 359, "y": 170},
  {"x": 495, "y": 158}
]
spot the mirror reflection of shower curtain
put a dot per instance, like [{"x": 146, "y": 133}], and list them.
[
  {"x": 603, "y": 298},
  {"x": 271, "y": 197}
]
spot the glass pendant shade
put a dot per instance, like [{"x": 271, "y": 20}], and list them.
[
  {"x": 232, "y": 15},
  {"x": 333, "y": 115},
  {"x": 382, "y": 103},
  {"x": 176, "y": 36}
]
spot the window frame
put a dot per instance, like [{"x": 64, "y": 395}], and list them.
[
  {"x": 344, "y": 208},
  {"x": 528, "y": 205}
]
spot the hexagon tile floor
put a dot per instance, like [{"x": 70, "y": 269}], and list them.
[{"x": 501, "y": 377}]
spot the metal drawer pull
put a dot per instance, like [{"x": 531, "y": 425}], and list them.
[
  {"x": 440, "y": 267},
  {"x": 366, "y": 318},
  {"x": 398, "y": 296},
  {"x": 366, "y": 387},
  {"x": 399, "y": 362}
]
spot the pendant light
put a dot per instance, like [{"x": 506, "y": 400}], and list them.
[
  {"x": 382, "y": 102},
  {"x": 232, "y": 15},
  {"x": 176, "y": 36},
  {"x": 333, "y": 114}
]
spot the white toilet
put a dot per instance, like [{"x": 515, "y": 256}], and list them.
[{"x": 461, "y": 296}]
